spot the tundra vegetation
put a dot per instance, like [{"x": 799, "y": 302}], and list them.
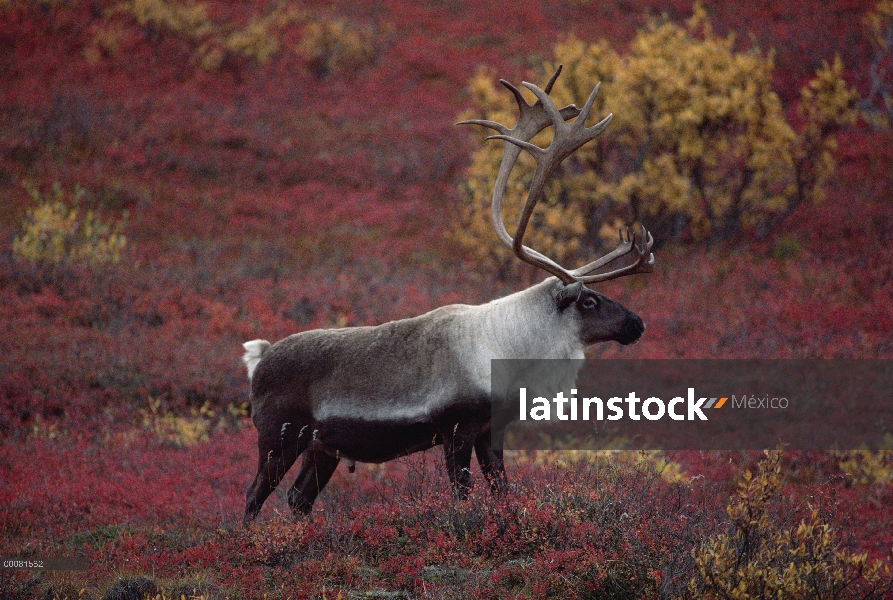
[{"x": 181, "y": 176}]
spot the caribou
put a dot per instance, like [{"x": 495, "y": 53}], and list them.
[{"x": 372, "y": 394}]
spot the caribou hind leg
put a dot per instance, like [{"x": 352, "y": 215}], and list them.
[
  {"x": 277, "y": 452},
  {"x": 271, "y": 468},
  {"x": 317, "y": 468}
]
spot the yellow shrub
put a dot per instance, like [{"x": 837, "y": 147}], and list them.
[
  {"x": 762, "y": 558},
  {"x": 106, "y": 42},
  {"x": 825, "y": 103},
  {"x": 54, "y": 235},
  {"x": 869, "y": 467},
  {"x": 254, "y": 40},
  {"x": 699, "y": 147},
  {"x": 644, "y": 461},
  {"x": 878, "y": 106},
  {"x": 183, "y": 431},
  {"x": 213, "y": 42},
  {"x": 336, "y": 45},
  {"x": 185, "y": 19},
  {"x": 258, "y": 40}
]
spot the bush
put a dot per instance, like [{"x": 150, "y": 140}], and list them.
[
  {"x": 54, "y": 236},
  {"x": 762, "y": 557},
  {"x": 212, "y": 43},
  {"x": 337, "y": 45},
  {"x": 878, "y": 105},
  {"x": 699, "y": 147},
  {"x": 160, "y": 17}
]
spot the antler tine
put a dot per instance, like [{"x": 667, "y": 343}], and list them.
[
  {"x": 553, "y": 79},
  {"x": 491, "y": 124},
  {"x": 623, "y": 248},
  {"x": 568, "y": 137},
  {"x": 644, "y": 262},
  {"x": 519, "y": 99},
  {"x": 584, "y": 114},
  {"x": 532, "y": 119}
]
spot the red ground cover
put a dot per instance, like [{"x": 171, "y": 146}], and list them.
[{"x": 264, "y": 200}]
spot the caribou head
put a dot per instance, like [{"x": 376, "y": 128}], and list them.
[{"x": 602, "y": 319}]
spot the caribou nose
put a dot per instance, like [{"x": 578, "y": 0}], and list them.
[{"x": 632, "y": 329}]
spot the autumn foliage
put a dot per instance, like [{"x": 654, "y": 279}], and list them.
[
  {"x": 54, "y": 234},
  {"x": 878, "y": 104},
  {"x": 179, "y": 176},
  {"x": 700, "y": 146}
]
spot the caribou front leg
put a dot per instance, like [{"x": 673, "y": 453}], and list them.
[
  {"x": 491, "y": 462},
  {"x": 458, "y": 442}
]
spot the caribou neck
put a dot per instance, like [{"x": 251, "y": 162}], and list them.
[{"x": 528, "y": 324}]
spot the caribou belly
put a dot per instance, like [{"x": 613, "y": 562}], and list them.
[{"x": 374, "y": 440}]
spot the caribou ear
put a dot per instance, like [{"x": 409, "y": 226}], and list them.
[{"x": 568, "y": 294}]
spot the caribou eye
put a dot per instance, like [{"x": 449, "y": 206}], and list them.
[{"x": 589, "y": 302}]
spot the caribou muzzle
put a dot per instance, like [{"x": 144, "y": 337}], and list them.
[{"x": 632, "y": 330}]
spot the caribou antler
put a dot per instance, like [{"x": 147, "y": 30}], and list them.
[{"x": 568, "y": 137}]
